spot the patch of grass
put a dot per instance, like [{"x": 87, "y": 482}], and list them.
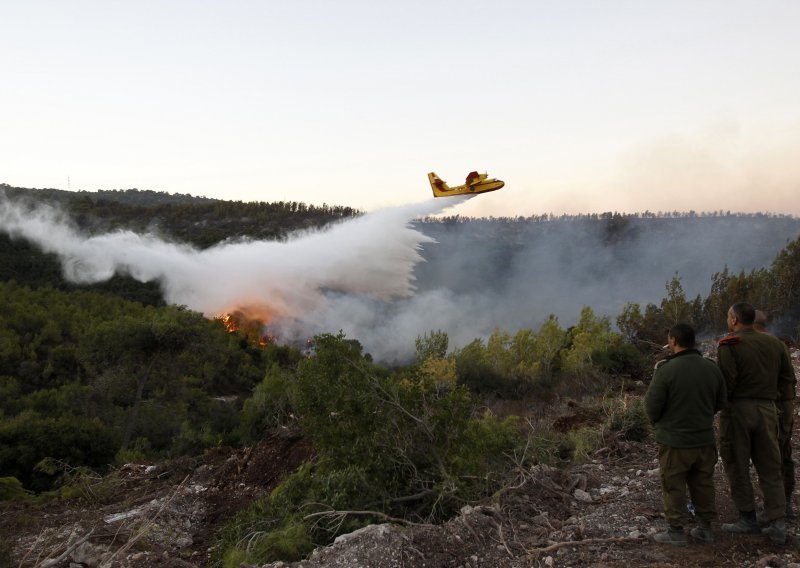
[
  {"x": 550, "y": 448},
  {"x": 234, "y": 558},
  {"x": 627, "y": 419},
  {"x": 290, "y": 542},
  {"x": 11, "y": 489},
  {"x": 585, "y": 441}
]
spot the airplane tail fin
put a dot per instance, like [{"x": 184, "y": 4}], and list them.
[{"x": 438, "y": 185}]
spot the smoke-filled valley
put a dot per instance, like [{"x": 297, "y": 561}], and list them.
[
  {"x": 122, "y": 411},
  {"x": 390, "y": 275}
]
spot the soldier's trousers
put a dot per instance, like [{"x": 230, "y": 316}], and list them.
[
  {"x": 687, "y": 467},
  {"x": 749, "y": 431}
]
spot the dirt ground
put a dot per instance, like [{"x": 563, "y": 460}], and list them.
[{"x": 602, "y": 513}]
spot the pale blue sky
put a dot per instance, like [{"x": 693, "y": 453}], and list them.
[{"x": 580, "y": 106}]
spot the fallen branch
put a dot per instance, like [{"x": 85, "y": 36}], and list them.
[
  {"x": 67, "y": 552},
  {"x": 144, "y": 529},
  {"x": 382, "y": 516},
  {"x": 557, "y": 545}
]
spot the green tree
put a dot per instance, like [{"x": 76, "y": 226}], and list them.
[
  {"x": 591, "y": 334},
  {"x": 675, "y": 307},
  {"x": 631, "y": 321},
  {"x": 432, "y": 344},
  {"x": 410, "y": 445}
]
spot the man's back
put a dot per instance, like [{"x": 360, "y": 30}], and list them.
[
  {"x": 755, "y": 365},
  {"x": 685, "y": 393}
]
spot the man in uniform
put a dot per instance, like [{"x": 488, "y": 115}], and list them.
[
  {"x": 686, "y": 391},
  {"x": 786, "y": 426},
  {"x": 757, "y": 373}
]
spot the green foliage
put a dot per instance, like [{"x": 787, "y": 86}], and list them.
[
  {"x": 28, "y": 438},
  {"x": 549, "y": 447},
  {"x": 235, "y": 558},
  {"x": 77, "y": 482},
  {"x": 622, "y": 360},
  {"x": 626, "y": 418},
  {"x": 512, "y": 366},
  {"x": 136, "y": 453},
  {"x": 477, "y": 374},
  {"x": 291, "y": 542},
  {"x": 118, "y": 371},
  {"x": 433, "y": 344},
  {"x": 268, "y": 408},
  {"x": 590, "y": 335},
  {"x": 335, "y": 393},
  {"x": 584, "y": 442},
  {"x": 408, "y": 445},
  {"x": 674, "y": 306},
  {"x": 11, "y": 489}
]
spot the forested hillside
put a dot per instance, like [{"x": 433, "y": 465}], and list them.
[
  {"x": 94, "y": 377},
  {"x": 199, "y": 221}
]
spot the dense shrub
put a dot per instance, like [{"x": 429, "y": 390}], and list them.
[{"x": 407, "y": 445}]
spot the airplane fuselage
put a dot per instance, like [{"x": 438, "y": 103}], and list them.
[{"x": 476, "y": 183}]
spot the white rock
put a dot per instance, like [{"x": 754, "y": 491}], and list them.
[{"x": 582, "y": 496}]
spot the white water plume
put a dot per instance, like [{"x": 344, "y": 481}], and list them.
[{"x": 371, "y": 257}]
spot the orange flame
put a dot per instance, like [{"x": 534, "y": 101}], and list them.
[{"x": 251, "y": 329}]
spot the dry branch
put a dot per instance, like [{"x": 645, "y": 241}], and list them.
[
  {"x": 56, "y": 561},
  {"x": 557, "y": 545}
]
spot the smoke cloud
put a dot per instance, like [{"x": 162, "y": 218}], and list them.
[
  {"x": 287, "y": 284},
  {"x": 384, "y": 279}
]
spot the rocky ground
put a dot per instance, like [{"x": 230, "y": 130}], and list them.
[{"x": 602, "y": 513}]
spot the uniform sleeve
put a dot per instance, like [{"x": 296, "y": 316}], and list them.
[
  {"x": 722, "y": 393},
  {"x": 726, "y": 360},
  {"x": 786, "y": 379},
  {"x": 655, "y": 398}
]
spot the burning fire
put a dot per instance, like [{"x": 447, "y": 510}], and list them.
[{"x": 253, "y": 330}]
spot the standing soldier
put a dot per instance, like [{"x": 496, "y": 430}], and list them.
[
  {"x": 686, "y": 391},
  {"x": 786, "y": 426},
  {"x": 757, "y": 373}
]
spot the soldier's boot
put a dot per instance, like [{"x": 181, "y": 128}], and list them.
[
  {"x": 746, "y": 524},
  {"x": 673, "y": 535},
  {"x": 703, "y": 531},
  {"x": 776, "y": 531},
  {"x": 790, "y": 512}
]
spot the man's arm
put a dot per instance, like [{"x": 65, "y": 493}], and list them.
[
  {"x": 722, "y": 392},
  {"x": 786, "y": 379},
  {"x": 726, "y": 361},
  {"x": 655, "y": 399}
]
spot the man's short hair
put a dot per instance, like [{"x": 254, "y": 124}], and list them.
[
  {"x": 683, "y": 334},
  {"x": 744, "y": 312}
]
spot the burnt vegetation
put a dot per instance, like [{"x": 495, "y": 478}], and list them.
[{"x": 94, "y": 377}]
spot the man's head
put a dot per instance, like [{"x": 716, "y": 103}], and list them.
[
  {"x": 680, "y": 337},
  {"x": 741, "y": 315},
  {"x": 760, "y": 323}
]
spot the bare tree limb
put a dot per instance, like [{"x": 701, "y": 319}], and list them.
[
  {"x": 557, "y": 545},
  {"x": 382, "y": 516},
  {"x": 56, "y": 561},
  {"x": 146, "y": 527}
]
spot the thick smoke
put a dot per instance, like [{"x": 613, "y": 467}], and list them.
[
  {"x": 367, "y": 276},
  {"x": 287, "y": 284}
]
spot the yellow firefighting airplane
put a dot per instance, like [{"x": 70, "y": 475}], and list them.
[{"x": 476, "y": 183}]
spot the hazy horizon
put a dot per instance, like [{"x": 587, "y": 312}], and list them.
[{"x": 579, "y": 107}]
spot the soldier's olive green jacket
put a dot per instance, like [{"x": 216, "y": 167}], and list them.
[
  {"x": 756, "y": 366},
  {"x": 686, "y": 391}
]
